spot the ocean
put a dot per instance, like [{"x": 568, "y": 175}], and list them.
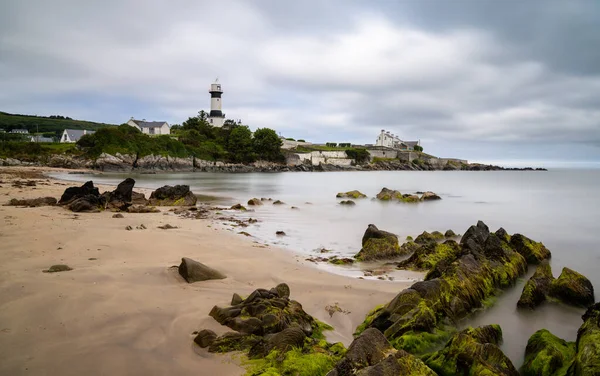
[{"x": 557, "y": 207}]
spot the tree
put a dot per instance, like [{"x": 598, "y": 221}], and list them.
[
  {"x": 417, "y": 148},
  {"x": 239, "y": 145},
  {"x": 267, "y": 145}
]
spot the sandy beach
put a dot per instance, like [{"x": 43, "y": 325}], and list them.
[{"x": 123, "y": 309}]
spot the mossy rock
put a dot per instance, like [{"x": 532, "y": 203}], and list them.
[
  {"x": 573, "y": 288},
  {"x": 389, "y": 195},
  {"x": 449, "y": 234},
  {"x": 410, "y": 198},
  {"x": 351, "y": 194},
  {"x": 534, "y": 252},
  {"x": 377, "y": 245},
  {"x": 254, "y": 202},
  {"x": 547, "y": 354},
  {"x": 426, "y": 237},
  {"x": 473, "y": 351},
  {"x": 233, "y": 341},
  {"x": 398, "y": 363},
  {"x": 347, "y": 202},
  {"x": 426, "y": 257},
  {"x": 587, "y": 358},
  {"x": 537, "y": 287},
  {"x": 238, "y": 207}
]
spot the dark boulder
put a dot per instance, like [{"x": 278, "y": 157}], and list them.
[
  {"x": 138, "y": 198},
  {"x": 233, "y": 341},
  {"x": 537, "y": 287},
  {"x": 179, "y": 195},
  {"x": 287, "y": 339},
  {"x": 238, "y": 207},
  {"x": 121, "y": 198},
  {"x": 399, "y": 363},
  {"x": 430, "y": 196},
  {"x": 378, "y": 244},
  {"x": 88, "y": 203},
  {"x": 58, "y": 268},
  {"x": 72, "y": 193},
  {"x": 193, "y": 271},
  {"x": 236, "y": 299},
  {"x": 33, "y": 202},
  {"x": 254, "y": 202},
  {"x": 475, "y": 237},
  {"x": 426, "y": 237},
  {"x": 449, "y": 234},
  {"x": 533, "y": 251},
  {"x": 573, "y": 288},
  {"x": 205, "y": 338}
]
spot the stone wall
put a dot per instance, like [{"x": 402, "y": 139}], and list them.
[
  {"x": 287, "y": 144},
  {"x": 381, "y": 152}
]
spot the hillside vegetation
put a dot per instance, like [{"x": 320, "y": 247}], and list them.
[{"x": 51, "y": 126}]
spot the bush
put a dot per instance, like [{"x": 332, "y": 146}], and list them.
[
  {"x": 345, "y": 145},
  {"x": 359, "y": 155},
  {"x": 301, "y": 140},
  {"x": 417, "y": 148},
  {"x": 290, "y": 139},
  {"x": 331, "y": 144}
]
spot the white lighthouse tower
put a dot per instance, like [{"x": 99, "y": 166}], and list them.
[{"x": 216, "y": 118}]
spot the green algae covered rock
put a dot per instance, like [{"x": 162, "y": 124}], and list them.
[
  {"x": 377, "y": 245},
  {"x": 534, "y": 252},
  {"x": 426, "y": 237},
  {"x": 573, "y": 288},
  {"x": 427, "y": 256},
  {"x": 537, "y": 287},
  {"x": 449, "y": 234},
  {"x": 547, "y": 354},
  {"x": 587, "y": 358},
  {"x": 351, "y": 194},
  {"x": 473, "y": 351},
  {"x": 389, "y": 195},
  {"x": 370, "y": 354}
]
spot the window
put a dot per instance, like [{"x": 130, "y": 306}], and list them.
[
  {"x": 210, "y": 120},
  {"x": 218, "y": 87},
  {"x": 218, "y": 99},
  {"x": 151, "y": 130}
]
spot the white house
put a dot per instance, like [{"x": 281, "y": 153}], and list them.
[
  {"x": 19, "y": 131},
  {"x": 73, "y": 135},
  {"x": 150, "y": 127},
  {"x": 392, "y": 141},
  {"x": 38, "y": 138}
]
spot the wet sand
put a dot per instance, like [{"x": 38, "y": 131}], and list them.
[{"x": 124, "y": 309}]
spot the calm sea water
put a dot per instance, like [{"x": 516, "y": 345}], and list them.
[{"x": 558, "y": 207}]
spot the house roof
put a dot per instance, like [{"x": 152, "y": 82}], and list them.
[
  {"x": 75, "y": 134},
  {"x": 411, "y": 143},
  {"x": 150, "y": 124}
]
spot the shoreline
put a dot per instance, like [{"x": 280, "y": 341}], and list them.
[{"x": 128, "y": 311}]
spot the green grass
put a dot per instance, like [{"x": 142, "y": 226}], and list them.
[{"x": 45, "y": 124}]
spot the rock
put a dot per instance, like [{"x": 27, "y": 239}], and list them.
[
  {"x": 121, "y": 197},
  {"x": 341, "y": 261},
  {"x": 429, "y": 196},
  {"x": 233, "y": 341},
  {"x": 388, "y": 195},
  {"x": 205, "y": 338},
  {"x": 410, "y": 198},
  {"x": 399, "y": 363},
  {"x": 58, "y": 268},
  {"x": 277, "y": 202},
  {"x": 238, "y": 207},
  {"x": 254, "y": 202},
  {"x": 369, "y": 348},
  {"x": 128, "y": 228},
  {"x": 118, "y": 215},
  {"x": 88, "y": 203},
  {"x": 502, "y": 234},
  {"x": 141, "y": 227},
  {"x": 572, "y": 288},
  {"x": 587, "y": 358},
  {"x": 142, "y": 209},
  {"x": 179, "y": 195},
  {"x": 533, "y": 252},
  {"x": 236, "y": 299},
  {"x": 283, "y": 290},
  {"x": 547, "y": 354},
  {"x": 347, "y": 202},
  {"x": 193, "y": 271},
  {"x": 294, "y": 208},
  {"x": 426, "y": 237},
  {"x": 473, "y": 351},
  {"x": 430, "y": 254},
  {"x": 351, "y": 194},
  {"x": 280, "y": 233},
  {"x": 138, "y": 198},
  {"x": 72, "y": 193},
  {"x": 475, "y": 237},
  {"x": 166, "y": 227},
  {"x": 33, "y": 202},
  {"x": 449, "y": 234},
  {"x": 537, "y": 287},
  {"x": 378, "y": 244}
]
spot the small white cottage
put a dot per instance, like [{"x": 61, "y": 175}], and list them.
[
  {"x": 73, "y": 135},
  {"x": 150, "y": 127}
]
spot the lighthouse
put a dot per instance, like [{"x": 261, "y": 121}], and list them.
[{"x": 216, "y": 118}]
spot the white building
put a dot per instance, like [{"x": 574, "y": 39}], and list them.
[
  {"x": 38, "y": 138},
  {"x": 19, "y": 131},
  {"x": 150, "y": 127},
  {"x": 216, "y": 117},
  {"x": 73, "y": 135},
  {"x": 389, "y": 140}
]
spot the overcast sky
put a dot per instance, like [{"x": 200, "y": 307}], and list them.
[{"x": 512, "y": 81}]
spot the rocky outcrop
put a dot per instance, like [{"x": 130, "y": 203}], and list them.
[
  {"x": 533, "y": 251},
  {"x": 268, "y": 326},
  {"x": 427, "y": 256},
  {"x": 572, "y": 288},
  {"x": 473, "y": 351},
  {"x": 587, "y": 357},
  {"x": 426, "y": 237},
  {"x": 378, "y": 245},
  {"x": 194, "y": 271},
  {"x": 88, "y": 203},
  {"x": 179, "y": 195},
  {"x": 370, "y": 354},
  {"x": 394, "y": 195},
  {"x": 122, "y": 197},
  {"x": 33, "y": 202},
  {"x": 351, "y": 194},
  {"x": 73, "y": 193},
  {"x": 537, "y": 287},
  {"x": 569, "y": 288},
  {"x": 459, "y": 281}
]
